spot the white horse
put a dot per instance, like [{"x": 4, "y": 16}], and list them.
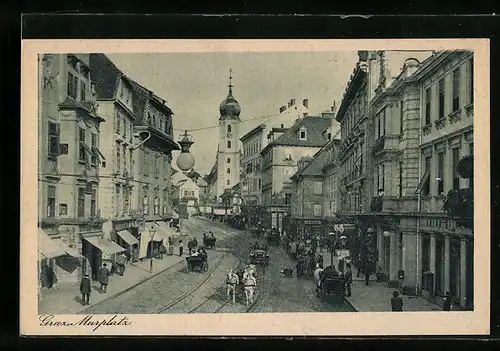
[
  {"x": 232, "y": 282},
  {"x": 250, "y": 283}
]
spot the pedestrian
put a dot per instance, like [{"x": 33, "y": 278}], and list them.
[
  {"x": 318, "y": 272},
  {"x": 181, "y": 248},
  {"x": 367, "y": 273},
  {"x": 104, "y": 277},
  {"x": 447, "y": 302},
  {"x": 163, "y": 250},
  {"x": 85, "y": 289},
  {"x": 396, "y": 302},
  {"x": 348, "y": 279}
]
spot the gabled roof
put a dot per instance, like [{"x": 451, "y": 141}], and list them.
[
  {"x": 315, "y": 138},
  {"x": 315, "y": 166},
  {"x": 105, "y": 76}
]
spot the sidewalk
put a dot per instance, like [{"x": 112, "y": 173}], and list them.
[
  {"x": 66, "y": 298},
  {"x": 376, "y": 297}
]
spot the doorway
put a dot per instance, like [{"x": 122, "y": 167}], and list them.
[{"x": 439, "y": 266}]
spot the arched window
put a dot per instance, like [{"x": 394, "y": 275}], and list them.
[
  {"x": 229, "y": 182},
  {"x": 229, "y": 128},
  {"x": 228, "y": 160},
  {"x": 229, "y": 144},
  {"x": 228, "y": 171}
]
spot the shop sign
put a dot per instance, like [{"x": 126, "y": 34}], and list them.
[
  {"x": 312, "y": 222},
  {"x": 438, "y": 224}
]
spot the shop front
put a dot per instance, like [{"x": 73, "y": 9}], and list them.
[
  {"x": 56, "y": 260},
  {"x": 310, "y": 228},
  {"x": 125, "y": 234},
  {"x": 97, "y": 251}
]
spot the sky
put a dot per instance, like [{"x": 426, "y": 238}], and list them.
[{"x": 194, "y": 85}]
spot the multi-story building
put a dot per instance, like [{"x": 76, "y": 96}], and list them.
[
  {"x": 280, "y": 156},
  {"x": 153, "y": 145},
  {"x": 416, "y": 127},
  {"x": 69, "y": 158},
  {"x": 307, "y": 196},
  {"x": 256, "y": 139},
  {"x": 115, "y": 96}
]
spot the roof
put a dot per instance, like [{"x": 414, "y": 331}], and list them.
[
  {"x": 105, "y": 76},
  {"x": 253, "y": 131},
  {"x": 315, "y": 125},
  {"x": 141, "y": 96},
  {"x": 315, "y": 166}
]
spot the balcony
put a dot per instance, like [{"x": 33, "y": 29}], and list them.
[{"x": 83, "y": 221}]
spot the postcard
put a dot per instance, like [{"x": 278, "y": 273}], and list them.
[{"x": 255, "y": 187}]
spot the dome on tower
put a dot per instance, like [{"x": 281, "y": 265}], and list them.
[{"x": 229, "y": 108}]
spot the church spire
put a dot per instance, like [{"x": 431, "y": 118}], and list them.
[{"x": 230, "y": 81}]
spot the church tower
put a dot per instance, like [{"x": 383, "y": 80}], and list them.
[{"x": 228, "y": 154}]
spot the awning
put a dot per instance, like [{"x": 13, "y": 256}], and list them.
[
  {"x": 128, "y": 237},
  {"x": 106, "y": 246},
  {"x": 424, "y": 179},
  {"x": 47, "y": 247}
]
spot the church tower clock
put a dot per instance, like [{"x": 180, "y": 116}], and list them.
[{"x": 228, "y": 155}]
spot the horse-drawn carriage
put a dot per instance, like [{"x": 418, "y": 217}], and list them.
[
  {"x": 332, "y": 286},
  {"x": 199, "y": 263},
  {"x": 259, "y": 255},
  {"x": 209, "y": 242},
  {"x": 273, "y": 237}
]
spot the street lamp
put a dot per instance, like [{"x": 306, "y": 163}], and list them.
[
  {"x": 386, "y": 234},
  {"x": 185, "y": 161},
  {"x": 152, "y": 233}
]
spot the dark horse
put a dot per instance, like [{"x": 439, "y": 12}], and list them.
[{"x": 192, "y": 245}]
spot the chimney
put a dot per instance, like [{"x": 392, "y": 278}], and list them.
[
  {"x": 305, "y": 114},
  {"x": 289, "y": 103},
  {"x": 292, "y": 102},
  {"x": 282, "y": 126},
  {"x": 281, "y": 109},
  {"x": 306, "y": 103},
  {"x": 334, "y": 108}
]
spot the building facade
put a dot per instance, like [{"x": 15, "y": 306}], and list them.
[
  {"x": 153, "y": 146},
  {"x": 252, "y": 143},
  {"x": 69, "y": 158}
]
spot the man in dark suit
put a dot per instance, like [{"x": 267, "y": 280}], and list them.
[
  {"x": 85, "y": 289},
  {"x": 396, "y": 302}
]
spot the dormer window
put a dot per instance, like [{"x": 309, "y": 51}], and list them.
[
  {"x": 303, "y": 133},
  {"x": 328, "y": 134}
]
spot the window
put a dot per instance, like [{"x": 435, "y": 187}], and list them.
[
  {"x": 456, "y": 90},
  {"x": 157, "y": 206},
  {"x": 228, "y": 160},
  {"x": 228, "y": 171},
  {"x": 117, "y": 200},
  {"x": 471, "y": 80},
  {"x": 401, "y": 114},
  {"x": 157, "y": 166},
  {"x": 381, "y": 177},
  {"x": 318, "y": 188},
  {"x": 228, "y": 182},
  {"x": 131, "y": 164},
  {"x": 125, "y": 169},
  {"x": 260, "y": 183},
  {"x": 81, "y": 137},
  {"x": 441, "y": 99},
  {"x": 125, "y": 127},
  {"x": 146, "y": 163},
  {"x": 288, "y": 198},
  {"x": 229, "y": 144},
  {"x": 153, "y": 123},
  {"x": 93, "y": 157},
  {"x": 303, "y": 134},
  {"x": 229, "y": 128},
  {"x": 126, "y": 200},
  {"x": 93, "y": 203},
  {"x": 440, "y": 175},
  {"x": 317, "y": 210},
  {"x": 471, "y": 149},
  {"x": 377, "y": 126},
  {"x": 428, "y": 100},
  {"x": 400, "y": 179},
  {"x": 51, "y": 201},
  {"x": 83, "y": 89},
  {"x": 118, "y": 122},
  {"x": 81, "y": 202},
  {"x": 63, "y": 209},
  {"x": 455, "y": 154},
  {"x": 118, "y": 157},
  {"x": 145, "y": 205},
  {"x": 426, "y": 190},
  {"x": 54, "y": 133},
  {"x": 72, "y": 85},
  {"x": 121, "y": 90}
]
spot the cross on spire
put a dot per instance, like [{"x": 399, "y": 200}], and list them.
[{"x": 230, "y": 80}]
